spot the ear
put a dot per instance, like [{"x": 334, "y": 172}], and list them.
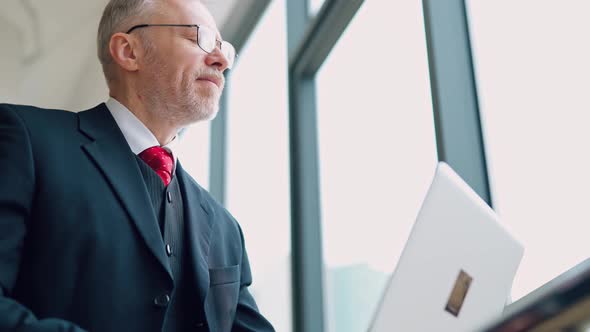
[{"x": 123, "y": 48}]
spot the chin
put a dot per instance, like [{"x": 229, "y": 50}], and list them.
[
  {"x": 203, "y": 114},
  {"x": 211, "y": 114},
  {"x": 208, "y": 92}
]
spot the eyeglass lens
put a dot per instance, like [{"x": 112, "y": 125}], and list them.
[{"x": 208, "y": 40}]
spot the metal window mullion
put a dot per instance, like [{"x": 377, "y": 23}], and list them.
[
  {"x": 454, "y": 92},
  {"x": 306, "y": 246},
  {"x": 308, "y": 53},
  {"x": 238, "y": 28},
  {"x": 310, "y": 42},
  {"x": 242, "y": 21},
  {"x": 307, "y": 259},
  {"x": 218, "y": 148}
]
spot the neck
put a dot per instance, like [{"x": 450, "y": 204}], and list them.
[{"x": 163, "y": 130}]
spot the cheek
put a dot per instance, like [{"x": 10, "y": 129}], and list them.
[
  {"x": 188, "y": 86},
  {"x": 178, "y": 78},
  {"x": 178, "y": 72}
]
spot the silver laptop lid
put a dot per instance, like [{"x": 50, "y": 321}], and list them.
[{"x": 457, "y": 267}]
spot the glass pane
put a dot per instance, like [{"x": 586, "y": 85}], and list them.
[
  {"x": 533, "y": 74},
  {"x": 194, "y": 152},
  {"x": 258, "y": 162},
  {"x": 377, "y": 154}
]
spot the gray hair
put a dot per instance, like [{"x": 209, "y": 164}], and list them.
[{"x": 118, "y": 16}]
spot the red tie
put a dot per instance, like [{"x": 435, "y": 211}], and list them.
[{"x": 160, "y": 161}]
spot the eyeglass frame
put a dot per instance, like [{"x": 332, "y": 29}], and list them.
[{"x": 219, "y": 42}]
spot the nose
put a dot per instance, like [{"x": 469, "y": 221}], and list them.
[{"x": 217, "y": 59}]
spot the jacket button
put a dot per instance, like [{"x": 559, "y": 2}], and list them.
[
  {"x": 169, "y": 196},
  {"x": 162, "y": 300},
  {"x": 201, "y": 324}
]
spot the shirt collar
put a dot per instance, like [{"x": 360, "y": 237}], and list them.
[{"x": 137, "y": 135}]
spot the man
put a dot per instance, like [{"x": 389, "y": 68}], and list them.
[{"x": 101, "y": 229}]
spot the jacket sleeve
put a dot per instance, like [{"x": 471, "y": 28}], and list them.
[
  {"x": 248, "y": 318},
  {"x": 17, "y": 183}
]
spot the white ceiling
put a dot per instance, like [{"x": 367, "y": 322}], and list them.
[{"x": 48, "y": 53}]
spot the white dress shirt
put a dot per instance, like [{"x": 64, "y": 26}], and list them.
[{"x": 137, "y": 135}]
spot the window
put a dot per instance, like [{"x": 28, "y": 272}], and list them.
[
  {"x": 533, "y": 71},
  {"x": 194, "y": 152},
  {"x": 377, "y": 153},
  {"x": 258, "y": 162}
]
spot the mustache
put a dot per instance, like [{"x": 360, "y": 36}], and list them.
[{"x": 212, "y": 73}]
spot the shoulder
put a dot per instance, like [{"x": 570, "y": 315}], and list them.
[
  {"x": 30, "y": 111},
  {"x": 32, "y": 116}
]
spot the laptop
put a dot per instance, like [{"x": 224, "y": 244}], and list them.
[{"x": 457, "y": 267}]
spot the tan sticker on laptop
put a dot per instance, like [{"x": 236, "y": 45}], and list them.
[{"x": 459, "y": 293}]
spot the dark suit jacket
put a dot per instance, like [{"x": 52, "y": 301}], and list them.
[{"x": 80, "y": 246}]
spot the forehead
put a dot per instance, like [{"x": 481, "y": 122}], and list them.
[{"x": 185, "y": 12}]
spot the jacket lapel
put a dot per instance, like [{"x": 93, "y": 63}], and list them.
[
  {"x": 199, "y": 221},
  {"x": 111, "y": 153}
]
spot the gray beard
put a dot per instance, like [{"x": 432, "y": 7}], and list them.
[
  {"x": 187, "y": 109},
  {"x": 178, "y": 108}
]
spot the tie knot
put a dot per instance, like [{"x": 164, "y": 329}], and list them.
[{"x": 160, "y": 161}]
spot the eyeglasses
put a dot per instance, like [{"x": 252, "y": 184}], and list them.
[{"x": 206, "y": 39}]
